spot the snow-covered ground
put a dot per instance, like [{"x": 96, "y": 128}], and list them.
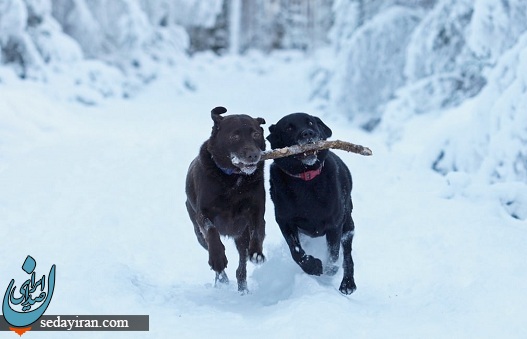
[{"x": 99, "y": 191}]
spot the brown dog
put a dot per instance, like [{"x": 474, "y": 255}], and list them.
[{"x": 225, "y": 192}]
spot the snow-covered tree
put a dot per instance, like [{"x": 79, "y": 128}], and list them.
[
  {"x": 86, "y": 39},
  {"x": 461, "y": 61},
  {"x": 267, "y": 25},
  {"x": 30, "y": 37},
  {"x": 121, "y": 32},
  {"x": 489, "y": 144},
  {"x": 371, "y": 64},
  {"x": 16, "y": 47},
  {"x": 432, "y": 56},
  {"x": 52, "y": 44}
]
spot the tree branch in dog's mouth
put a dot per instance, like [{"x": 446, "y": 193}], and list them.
[{"x": 313, "y": 148}]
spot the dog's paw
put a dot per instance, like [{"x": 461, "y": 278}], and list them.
[
  {"x": 221, "y": 279},
  {"x": 347, "y": 286},
  {"x": 330, "y": 269},
  {"x": 257, "y": 258},
  {"x": 218, "y": 262},
  {"x": 311, "y": 265},
  {"x": 242, "y": 288}
]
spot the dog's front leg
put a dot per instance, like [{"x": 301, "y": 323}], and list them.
[
  {"x": 242, "y": 245},
  {"x": 257, "y": 235},
  {"x": 217, "y": 258},
  {"x": 347, "y": 286},
  {"x": 308, "y": 263}
]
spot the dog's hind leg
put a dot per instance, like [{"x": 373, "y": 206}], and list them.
[
  {"x": 347, "y": 286},
  {"x": 242, "y": 245},
  {"x": 333, "y": 238},
  {"x": 197, "y": 229}
]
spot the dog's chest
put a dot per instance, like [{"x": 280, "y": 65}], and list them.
[
  {"x": 235, "y": 206},
  {"x": 310, "y": 206},
  {"x": 313, "y": 197},
  {"x": 238, "y": 188},
  {"x": 234, "y": 219}
]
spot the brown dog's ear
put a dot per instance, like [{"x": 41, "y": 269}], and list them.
[
  {"x": 215, "y": 113},
  {"x": 325, "y": 129},
  {"x": 261, "y": 121}
]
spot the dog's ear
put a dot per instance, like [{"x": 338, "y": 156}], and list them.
[
  {"x": 215, "y": 113},
  {"x": 217, "y": 118},
  {"x": 261, "y": 121},
  {"x": 273, "y": 137},
  {"x": 325, "y": 129}
]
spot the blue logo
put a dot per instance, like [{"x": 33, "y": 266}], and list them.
[{"x": 28, "y": 308}]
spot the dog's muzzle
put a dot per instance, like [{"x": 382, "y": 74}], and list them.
[
  {"x": 308, "y": 158},
  {"x": 246, "y": 166}
]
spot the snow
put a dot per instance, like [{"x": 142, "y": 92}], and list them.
[{"x": 98, "y": 190}]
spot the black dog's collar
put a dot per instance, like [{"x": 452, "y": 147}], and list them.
[{"x": 307, "y": 175}]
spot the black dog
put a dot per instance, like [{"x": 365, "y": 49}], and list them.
[
  {"x": 225, "y": 192},
  {"x": 312, "y": 195}
]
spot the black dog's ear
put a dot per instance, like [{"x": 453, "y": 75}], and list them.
[
  {"x": 325, "y": 129},
  {"x": 273, "y": 137},
  {"x": 215, "y": 113},
  {"x": 261, "y": 121}
]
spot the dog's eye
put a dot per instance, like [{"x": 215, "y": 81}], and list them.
[
  {"x": 289, "y": 128},
  {"x": 310, "y": 123},
  {"x": 257, "y": 135},
  {"x": 234, "y": 137}
]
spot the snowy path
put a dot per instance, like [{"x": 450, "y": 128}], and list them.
[{"x": 99, "y": 191}]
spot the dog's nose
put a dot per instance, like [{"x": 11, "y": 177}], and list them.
[
  {"x": 252, "y": 155},
  {"x": 308, "y": 134}
]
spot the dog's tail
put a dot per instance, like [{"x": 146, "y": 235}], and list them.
[{"x": 216, "y": 113}]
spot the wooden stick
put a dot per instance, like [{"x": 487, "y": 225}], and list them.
[{"x": 319, "y": 145}]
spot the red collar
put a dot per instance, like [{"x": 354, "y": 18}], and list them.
[{"x": 308, "y": 175}]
